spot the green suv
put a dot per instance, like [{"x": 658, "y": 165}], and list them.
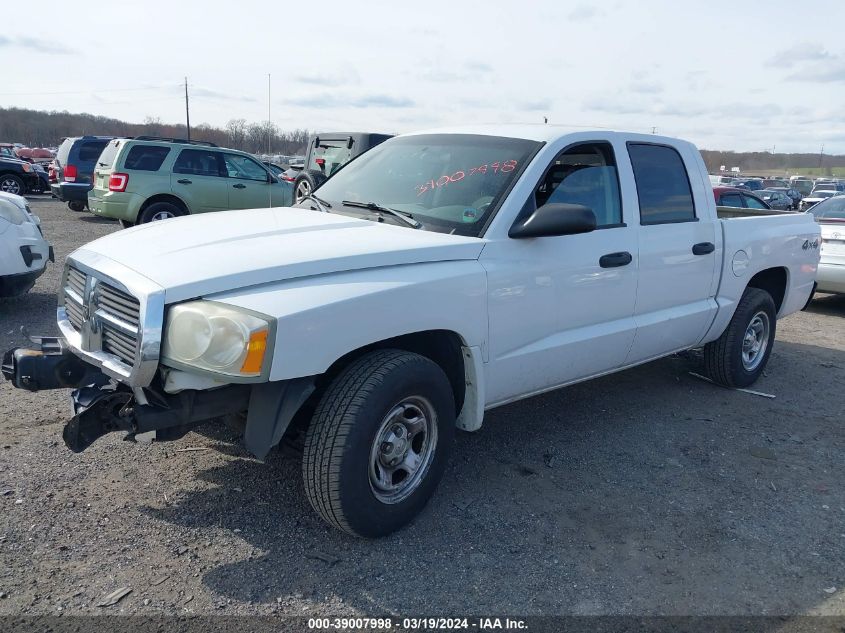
[{"x": 141, "y": 179}]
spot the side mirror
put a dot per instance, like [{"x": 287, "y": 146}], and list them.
[{"x": 555, "y": 219}]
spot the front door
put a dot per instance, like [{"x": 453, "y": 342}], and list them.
[
  {"x": 678, "y": 254},
  {"x": 562, "y": 308},
  {"x": 250, "y": 184}
]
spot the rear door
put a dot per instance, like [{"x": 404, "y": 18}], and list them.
[
  {"x": 199, "y": 178},
  {"x": 677, "y": 252}
]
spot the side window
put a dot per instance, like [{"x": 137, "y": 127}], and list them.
[
  {"x": 753, "y": 203},
  {"x": 197, "y": 162},
  {"x": 586, "y": 175},
  {"x": 730, "y": 200},
  {"x": 145, "y": 157},
  {"x": 244, "y": 167},
  {"x": 662, "y": 184},
  {"x": 89, "y": 151}
]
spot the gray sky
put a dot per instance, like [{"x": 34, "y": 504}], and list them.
[{"x": 745, "y": 76}]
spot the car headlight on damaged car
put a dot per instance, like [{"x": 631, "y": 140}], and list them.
[
  {"x": 216, "y": 338},
  {"x": 12, "y": 213}
]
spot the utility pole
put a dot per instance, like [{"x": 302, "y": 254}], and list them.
[
  {"x": 269, "y": 117},
  {"x": 187, "y": 110},
  {"x": 821, "y": 156}
]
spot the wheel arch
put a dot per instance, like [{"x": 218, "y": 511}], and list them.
[
  {"x": 774, "y": 281},
  {"x": 163, "y": 197}
]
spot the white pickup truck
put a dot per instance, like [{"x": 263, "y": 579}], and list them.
[{"x": 439, "y": 275}]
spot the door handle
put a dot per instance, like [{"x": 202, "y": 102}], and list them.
[
  {"x": 239, "y": 186},
  {"x": 703, "y": 248},
  {"x": 184, "y": 181},
  {"x": 613, "y": 260}
]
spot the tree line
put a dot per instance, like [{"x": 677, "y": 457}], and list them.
[
  {"x": 767, "y": 161},
  {"x": 36, "y": 128}
]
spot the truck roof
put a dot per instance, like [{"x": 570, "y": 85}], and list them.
[{"x": 546, "y": 133}]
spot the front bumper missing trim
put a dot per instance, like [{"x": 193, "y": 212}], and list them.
[{"x": 102, "y": 405}]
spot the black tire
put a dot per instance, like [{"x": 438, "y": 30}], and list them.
[
  {"x": 724, "y": 360},
  {"x": 9, "y": 183},
  {"x": 306, "y": 182},
  {"x": 76, "y": 205},
  {"x": 157, "y": 209},
  {"x": 349, "y": 423},
  {"x": 125, "y": 224}
]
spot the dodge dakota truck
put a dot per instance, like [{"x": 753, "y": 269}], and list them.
[{"x": 437, "y": 276}]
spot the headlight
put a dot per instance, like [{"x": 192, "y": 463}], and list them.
[
  {"x": 216, "y": 338},
  {"x": 27, "y": 167},
  {"x": 11, "y": 212}
]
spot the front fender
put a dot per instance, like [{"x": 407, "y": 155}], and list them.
[{"x": 323, "y": 318}]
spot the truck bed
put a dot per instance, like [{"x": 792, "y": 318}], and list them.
[{"x": 726, "y": 213}]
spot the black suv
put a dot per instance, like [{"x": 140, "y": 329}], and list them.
[
  {"x": 74, "y": 167},
  {"x": 326, "y": 153},
  {"x": 17, "y": 175}
]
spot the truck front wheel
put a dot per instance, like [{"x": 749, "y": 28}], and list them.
[
  {"x": 739, "y": 356},
  {"x": 378, "y": 442}
]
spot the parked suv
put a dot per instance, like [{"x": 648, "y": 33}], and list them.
[
  {"x": 150, "y": 178},
  {"x": 74, "y": 169},
  {"x": 327, "y": 152}
]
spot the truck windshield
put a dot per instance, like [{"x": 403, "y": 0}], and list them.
[{"x": 449, "y": 182}]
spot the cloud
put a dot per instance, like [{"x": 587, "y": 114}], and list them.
[
  {"x": 539, "y": 104},
  {"x": 195, "y": 91},
  {"x": 326, "y": 101},
  {"x": 583, "y": 12},
  {"x": 35, "y": 45},
  {"x": 827, "y": 73},
  {"x": 332, "y": 80},
  {"x": 646, "y": 87},
  {"x": 467, "y": 72},
  {"x": 806, "y": 52}
]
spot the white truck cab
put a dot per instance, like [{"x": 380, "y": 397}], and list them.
[{"x": 439, "y": 275}]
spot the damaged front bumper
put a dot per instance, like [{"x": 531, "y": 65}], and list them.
[{"x": 102, "y": 405}]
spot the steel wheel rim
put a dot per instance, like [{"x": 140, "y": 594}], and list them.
[
  {"x": 755, "y": 341},
  {"x": 162, "y": 215},
  {"x": 302, "y": 190},
  {"x": 10, "y": 186},
  {"x": 403, "y": 450}
]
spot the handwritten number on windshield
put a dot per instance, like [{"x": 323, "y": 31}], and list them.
[{"x": 496, "y": 167}]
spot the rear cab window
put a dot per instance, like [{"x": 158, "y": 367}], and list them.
[
  {"x": 663, "y": 185},
  {"x": 145, "y": 157}
]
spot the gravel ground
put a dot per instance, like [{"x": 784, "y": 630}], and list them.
[{"x": 647, "y": 492}]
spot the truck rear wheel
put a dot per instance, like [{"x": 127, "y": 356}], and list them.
[
  {"x": 378, "y": 442},
  {"x": 739, "y": 356}
]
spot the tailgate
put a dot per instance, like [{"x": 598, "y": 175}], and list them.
[{"x": 833, "y": 242}]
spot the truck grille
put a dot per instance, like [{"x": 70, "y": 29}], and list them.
[{"x": 113, "y": 316}]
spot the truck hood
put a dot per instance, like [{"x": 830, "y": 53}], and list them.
[{"x": 199, "y": 255}]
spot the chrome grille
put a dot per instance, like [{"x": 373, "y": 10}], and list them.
[
  {"x": 75, "y": 281},
  {"x": 113, "y": 315},
  {"x": 121, "y": 323}
]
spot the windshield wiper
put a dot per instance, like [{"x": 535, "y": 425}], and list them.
[
  {"x": 321, "y": 204},
  {"x": 406, "y": 217}
]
